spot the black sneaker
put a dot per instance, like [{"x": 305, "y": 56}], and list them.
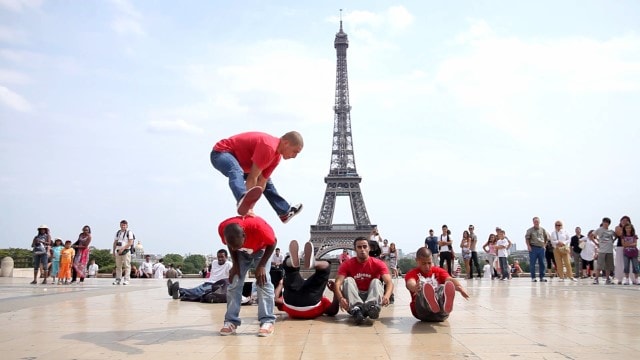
[
  {"x": 169, "y": 283},
  {"x": 357, "y": 315},
  {"x": 373, "y": 310},
  {"x": 175, "y": 290},
  {"x": 293, "y": 211}
]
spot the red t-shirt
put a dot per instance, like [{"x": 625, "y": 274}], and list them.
[
  {"x": 309, "y": 312},
  {"x": 363, "y": 273},
  {"x": 435, "y": 276},
  {"x": 258, "y": 233},
  {"x": 252, "y": 148}
]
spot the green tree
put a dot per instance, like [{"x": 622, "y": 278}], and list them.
[
  {"x": 104, "y": 258},
  {"x": 406, "y": 264},
  {"x": 193, "y": 263},
  {"x": 174, "y": 259},
  {"x": 22, "y": 258}
]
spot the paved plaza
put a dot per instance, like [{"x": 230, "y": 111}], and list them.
[{"x": 502, "y": 320}]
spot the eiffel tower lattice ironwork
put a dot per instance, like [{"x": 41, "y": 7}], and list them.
[{"x": 343, "y": 179}]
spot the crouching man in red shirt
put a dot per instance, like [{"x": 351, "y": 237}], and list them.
[{"x": 251, "y": 241}]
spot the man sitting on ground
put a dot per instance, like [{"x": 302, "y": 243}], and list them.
[
  {"x": 304, "y": 299},
  {"x": 358, "y": 286},
  {"x": 216, "y": 284},
  {"x": 432, "y": 289}
]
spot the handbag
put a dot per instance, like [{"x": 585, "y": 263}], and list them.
[
  {"x": 564, "y": 249},
  {"x": 582, "y": 244},
  {"x": 631, "y": 252}
]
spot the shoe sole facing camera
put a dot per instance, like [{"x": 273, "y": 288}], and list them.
[
  {"x": 309, "y": 256},
  {"x": 248, "y": 200},
  {"x": 430, "y": 296},
  {"x": 449, "y": 295},
  {"x": 169, "y": 283},
  {"x": 293, "y": 253}
]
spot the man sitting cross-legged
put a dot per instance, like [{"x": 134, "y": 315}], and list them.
[
  {"x": 358, "y": 286},
  {"x": 432, "y": 289},
  {"x": 304, "y": 299}
]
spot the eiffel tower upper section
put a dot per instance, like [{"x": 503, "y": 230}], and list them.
[{"x": 343, "y": 179}]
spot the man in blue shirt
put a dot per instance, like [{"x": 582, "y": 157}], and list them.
[{"x": 431, "y": 242}]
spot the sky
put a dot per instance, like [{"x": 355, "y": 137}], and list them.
[{"x": 479, "y": 112}]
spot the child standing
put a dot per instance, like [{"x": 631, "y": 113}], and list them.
[
  {"x": 55, "y": 263},
  {"x": 502, "y": 245},
  {"x": 66, "y": 259},
  {"x": 630, "y": 246},
  {"x": 605, "y": 250}
]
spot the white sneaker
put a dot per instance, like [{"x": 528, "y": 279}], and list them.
[
  {"x": 625, "y": 281},
  {"x": 116, "y": 282},
  {"x": 266, "y": 329},
  {"x": 309, "y": 256},
  {"x": 126, "y": 282}
]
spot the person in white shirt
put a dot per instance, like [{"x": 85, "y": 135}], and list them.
[
  {"x": 561, "y": 252},
  {"x": 502, "y": 245},
  {"x": 146, "y": 268},
  {"x": 159, "y": 269},
  {"x": 121, "y": 251},
  {"x": 216, "y": 283},
  {"x": 385, "y": 251},
  {"x": 92, "y": 270}
]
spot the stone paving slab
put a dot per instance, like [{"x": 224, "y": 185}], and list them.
[{"x": 503, "y": 320}]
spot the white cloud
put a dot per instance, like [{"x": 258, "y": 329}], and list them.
[
  {"x": 128, "y": 19},
  {"x": 504, "y": 76},
  {"x": 399, "y": 17},
  {"x": 274, "y": 76},
  {"x": 20, "y": 5},
  {"x": 14, "y": 100},
  {"x": 174, "y": 126}
]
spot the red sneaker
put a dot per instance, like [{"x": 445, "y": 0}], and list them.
[
  {"x": 430, "y": 295},
  {"x": 449, "y": 294}
]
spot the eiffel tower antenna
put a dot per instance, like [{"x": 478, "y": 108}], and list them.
[{"x": 343, "y": 179}]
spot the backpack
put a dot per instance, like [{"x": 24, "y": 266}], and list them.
[{"x": 132, "y": 249}]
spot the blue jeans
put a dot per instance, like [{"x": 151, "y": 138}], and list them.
[
  {"x": 195, "y": 292},
  {"x": 504, "y": 267},
  {"x": 229, "y": 166},
  {"x": 536, "y": 253},
  {"x": 265, "y": 292}
]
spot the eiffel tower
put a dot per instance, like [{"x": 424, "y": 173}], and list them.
[{"x": 343, "y": 179}]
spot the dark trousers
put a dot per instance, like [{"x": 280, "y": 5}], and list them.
[
  {"x": 474, "y": 262},
  {"x": 446, "y": 256}
]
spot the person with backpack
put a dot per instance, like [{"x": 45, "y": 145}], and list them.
[{"x": 122, "y": 245}]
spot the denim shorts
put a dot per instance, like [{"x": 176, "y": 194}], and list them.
[{"x": 39, "y": 260}]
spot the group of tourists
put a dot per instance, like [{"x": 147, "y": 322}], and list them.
[{"x": 64, "y": 261}]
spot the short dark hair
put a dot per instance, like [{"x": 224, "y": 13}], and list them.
[
  {"x": 360, "y": 238},
  {"x": 606, "y": 220},
  {"x": 124, "y": 222},
  {"x": 234, "y": 235},
  {"x": 223, "y": 251}
]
